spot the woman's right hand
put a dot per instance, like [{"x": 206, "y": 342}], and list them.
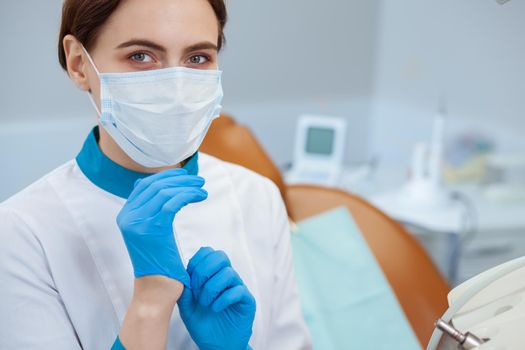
[{"x": 146, "y": 222}]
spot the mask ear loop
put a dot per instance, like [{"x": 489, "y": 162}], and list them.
[
  {"x": 91, "y": 60},
  {"x": 98, "y": 75}
]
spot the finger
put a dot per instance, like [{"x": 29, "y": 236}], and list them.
[
  {"x": 166, "y": 183},
  {"x": 169, "y": 209},
  {"x": 197, "y": 258},
  {"x": 239, "y": 296},
  {"x": 147, "y": 181},
  {"x": 217, "y": 284},
  {"x": 164, "y": 196},
  {"x": 208, "y": 267},
  {"x": 186, "y": 299}
]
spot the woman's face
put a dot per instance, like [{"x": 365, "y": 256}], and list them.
[{"x": 144, "y": 35}]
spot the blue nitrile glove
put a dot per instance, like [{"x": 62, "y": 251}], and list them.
[
  {"x": 146, "y": 222},
  {"x": 219, "y": 310}
]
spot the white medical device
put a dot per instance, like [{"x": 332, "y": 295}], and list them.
[
  {"x": 486, "y": 312},
  {"x": 425, "y": 186},
  {"x": 424, "y": 200},
  {"x": 319, "y": 150}
]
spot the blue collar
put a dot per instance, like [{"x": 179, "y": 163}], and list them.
[{"x": 110, "y": 176}]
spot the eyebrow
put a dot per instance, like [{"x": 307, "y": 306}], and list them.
[
  {"x": 142, "y": 42},
  {"x": 205, "y": 45}
]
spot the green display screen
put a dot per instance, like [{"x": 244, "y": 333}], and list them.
[{"x": 320, "y": 141}]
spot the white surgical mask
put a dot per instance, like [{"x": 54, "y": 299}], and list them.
[{"x": 159, "y": 117}]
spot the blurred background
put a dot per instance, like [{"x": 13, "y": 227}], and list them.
[{"x": 387, "y": 68}]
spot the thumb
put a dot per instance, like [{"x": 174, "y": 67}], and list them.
[{"x": 185, "y": 301}]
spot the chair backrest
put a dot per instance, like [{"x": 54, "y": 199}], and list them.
[
  {"x": 418, "y": 285},
  {"x": 235, "y": 143}
]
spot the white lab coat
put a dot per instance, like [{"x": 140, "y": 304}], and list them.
[{"x": 66, "y": 279}]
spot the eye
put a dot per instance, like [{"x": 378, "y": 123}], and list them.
[
  {"x": 141, "y": 57},
  {"x": 198, "y": 59}
]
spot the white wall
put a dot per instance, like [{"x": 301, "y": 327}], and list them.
[
  {"x": 471, "y": 53},
  {"x": 283, "y": 58},
  {"x": 30, "y": 149},
  {"x": 381, "y": 64},
  {"x": 34, "y": 88},
  {"x": 286, "y": 58},
  {"x": 299, "y": 49}
]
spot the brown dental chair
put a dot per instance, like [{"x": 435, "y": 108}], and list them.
[{"x": 418, "y": 285}]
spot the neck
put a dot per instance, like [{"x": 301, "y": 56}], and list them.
[{"x": 111, "y": 150}]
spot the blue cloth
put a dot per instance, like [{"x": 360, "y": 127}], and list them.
[
  {"x": 118, "y": 345},
  {"x": 347, "y": 301},
  {"x": 110, "y": 176}
]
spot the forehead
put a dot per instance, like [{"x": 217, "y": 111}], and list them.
[{"x": 171, "y": 23}]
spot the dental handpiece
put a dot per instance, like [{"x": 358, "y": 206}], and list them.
[{"x": 467, "y": 341}]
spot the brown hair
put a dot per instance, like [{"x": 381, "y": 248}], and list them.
[{"x": 84, "y": 18}]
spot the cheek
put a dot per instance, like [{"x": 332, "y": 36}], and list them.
[
  {"x": 92, "y": 80},
  {"x": 95, "y": 93},
  {"x": 93, "y": 87}
]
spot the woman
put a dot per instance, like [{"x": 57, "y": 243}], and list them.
[{"x": 123, "y": 246}]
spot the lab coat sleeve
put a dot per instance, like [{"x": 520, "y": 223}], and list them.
[
  {"x": 288, "y": 329},
  {"x": 32, "y": 315}
]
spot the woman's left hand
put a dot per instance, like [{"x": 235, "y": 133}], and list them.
[{"x": 219, "y": 310}]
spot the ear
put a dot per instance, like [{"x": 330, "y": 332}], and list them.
[{"x": 77, "y": 62}]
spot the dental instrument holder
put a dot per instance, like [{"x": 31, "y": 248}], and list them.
[{"x": 491, "y": 306}]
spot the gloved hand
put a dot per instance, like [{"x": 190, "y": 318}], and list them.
[
  {"x": 219, "y": 310},
  {"x": 146, "y": 222}
]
